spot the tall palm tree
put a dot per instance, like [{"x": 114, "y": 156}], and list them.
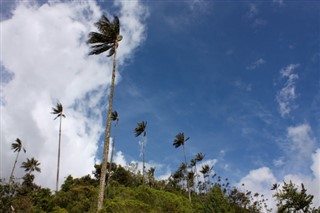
[
  {"x": 141, "y": 130},
  {"x": 106, "y": 40},
  {"x": 180, "y": 141},
  {"x": 31, "y": 165},
  {"x": 58, "y": 111},
  {"x": 16, "y": 147},
  {"x": 114, "y": 117}
]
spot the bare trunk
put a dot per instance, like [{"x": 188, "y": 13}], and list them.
[
  {"x": 143, "y": 161},
  {"x": 187, "y": 179},
  {"x": 14, "y": 166},
  {"x": 58, "y": 164},
  {"x": 107, "y": 137}
]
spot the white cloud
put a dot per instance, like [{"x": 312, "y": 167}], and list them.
[
  {"x": 311, "y": 183},
  {"x": 44, "y": 48},
  {"x": 301, "y": 140},
  {"x": 260, "y": 181},
  {"x": 286, "y": 96},
  {"x": 256, "y": 64}
]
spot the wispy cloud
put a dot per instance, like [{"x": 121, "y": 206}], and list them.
[
  {"x": 256, "y": 64},
  {"x": 253, "y": 11},
  {"x": 253, "y": 16},
  {"x": 286, "y": 96}
]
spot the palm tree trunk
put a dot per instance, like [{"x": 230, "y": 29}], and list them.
[
  {"x": 110, "y": 165},
  {"x": 185, "y": 160},
  {"x": 14, "y": 166},
  {"x": 58, "y": 164},
  {"x": 107, "y": 137},
  {"x": 143, "y": 162}
]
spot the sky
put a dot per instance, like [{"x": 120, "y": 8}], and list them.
[{"x": 241, "y": 79}]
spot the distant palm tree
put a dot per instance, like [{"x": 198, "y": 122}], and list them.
[
  {"x": 31, "y": 165},
  {"x": 106, "y": 40},
  {"x": 16, "y": 147},
  {"x": 58, "y": 111},
  {"x": 206, "y": 173},
  {"x": 180, "y": 141},
  {"x": 198, "y": 158},
  {"x": 141, "y": 129},
  {"x": 114, "y": 117}
]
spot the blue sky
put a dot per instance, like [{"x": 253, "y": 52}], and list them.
[
  {"x": 241, "y": 79},
  {"x": 214, "y": 74}
]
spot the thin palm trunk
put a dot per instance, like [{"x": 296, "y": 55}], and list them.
[
  {"x": 196, "y": 174},
  {"x": 58, "y": 164},
  {"x": 107, "y": 136},
  {"x": 14, "y": 166},
  {"x": 143, "y": 161},
  {"x": 187, "y": 179}
]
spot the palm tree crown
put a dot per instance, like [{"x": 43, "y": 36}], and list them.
[
  {"x": 199, "y": 157},
  {"x": 108, "y": 37},
  {"x": 31, "y": 165},
  {"x": 16, "y": 147},
  {"x": 179, "y": 140},
  {"x": 141, "y": 128},
  {"x": 58, "y": 111}
]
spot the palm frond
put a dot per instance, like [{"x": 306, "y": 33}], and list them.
[
  {"x": 97, "y": 49},
  {"x": 116, "y": 24},
  {"x": 111, "y": 52},
  {"x": 16, "y": 147},
  {"x": 107, "y": 37},
  {"x": 58, "y": 110},
  {"x": 95, "y": 37},
  {"x": 179, "y": 140}
]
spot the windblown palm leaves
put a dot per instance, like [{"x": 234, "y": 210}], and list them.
[
  {"x": 107, "y": 38},
  {"x": 58, "y": 110},
  {"x": 115, "y": 117},
  {"x": 16, "y": 147},
  {"x": 141, "y": 128},
  {"x": 199, "y": 157},
  {"x": 179, "y": 140},
  {"x": 31, "y": 165}
]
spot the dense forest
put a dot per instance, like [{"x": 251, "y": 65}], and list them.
[{"x": 130, "y": 191}]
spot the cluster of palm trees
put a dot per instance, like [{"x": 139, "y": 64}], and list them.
[
  {"x": 188, "y": 176},
  {"x": 31, "y": 165}
]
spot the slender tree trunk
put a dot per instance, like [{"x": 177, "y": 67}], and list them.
[
  {"x": 187, "y": 179},
  {"x": 58, "y": 164},
  {"x": 107, "y": 137},
  {"x": 14, "y": 166},
  {"x": 143, "y": 161}
]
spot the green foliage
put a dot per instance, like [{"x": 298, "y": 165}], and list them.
[
  {"x": 290, "y": 198},
  {"x": 217, "y": 202},
  {"x": 147, "y": 200}
]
